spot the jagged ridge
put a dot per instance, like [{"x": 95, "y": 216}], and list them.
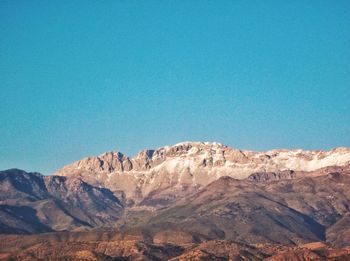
[{"x": 193, "y": 164}]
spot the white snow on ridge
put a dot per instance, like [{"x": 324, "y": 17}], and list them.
[
  {"x": 283, "y": 159},
  {"x": 196, "y": 164},
  {"x": 218, "y": 159}
]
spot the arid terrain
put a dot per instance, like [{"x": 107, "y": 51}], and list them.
[{"x": 190, "y": 201}]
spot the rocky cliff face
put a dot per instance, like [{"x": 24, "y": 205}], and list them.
[{"x": 194, "y": 165}]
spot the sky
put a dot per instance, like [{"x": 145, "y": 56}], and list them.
[{"x": 78, "y": 78}]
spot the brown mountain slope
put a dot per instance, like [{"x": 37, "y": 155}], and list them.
[
  {"x": 270, "y": 216},
  {"x": 32, "y": 203},
  {"x": 286, "y": 211},
  {"x": 290, "y": 211},
  {"x": 228, "y": 250}
]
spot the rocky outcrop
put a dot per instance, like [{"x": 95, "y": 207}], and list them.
[
  {"x": 267, "y": 176},
  {"x": 107, "y": 162}
]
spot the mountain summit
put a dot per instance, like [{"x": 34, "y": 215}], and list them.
[{"x": 196, "y": 164}]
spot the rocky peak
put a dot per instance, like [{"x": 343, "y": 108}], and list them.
[
  {"x": 196, "y": 164},
  {"x": 213, "y": 154},
  {"x": 143, "y": 160},
  {"x": 107, "y": 162},
  {"x": 146, "y": 159}
]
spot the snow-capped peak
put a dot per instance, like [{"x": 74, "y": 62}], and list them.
[{"x": 195, "y": 164}]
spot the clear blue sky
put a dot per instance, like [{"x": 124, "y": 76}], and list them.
[{"x": 79, "y": 78}]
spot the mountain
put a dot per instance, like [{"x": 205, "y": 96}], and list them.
[
  {"x": 32, "y": 203},
  {"x": 299, "y": 211},
  {"x": 198, "y": 191},
  {"x": 193, "y": 200},
  {"x": 188, "y": 166}
]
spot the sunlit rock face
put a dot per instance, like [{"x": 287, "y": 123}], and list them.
[{"x": 192, "y": 165}]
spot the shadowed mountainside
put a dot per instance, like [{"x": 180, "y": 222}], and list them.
[
  {"x": 32, "y": 203},
  {"x": 299, "y": 211}
]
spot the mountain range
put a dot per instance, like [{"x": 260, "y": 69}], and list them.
[{"x": 192, "y": 200}]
